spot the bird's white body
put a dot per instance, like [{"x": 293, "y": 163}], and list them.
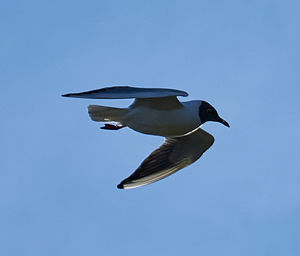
[{"x": 164, "y": 122}]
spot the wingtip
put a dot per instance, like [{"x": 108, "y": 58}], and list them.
[
  {"x": 75, "y": 95},
  {"x": 120, "y": 186}
]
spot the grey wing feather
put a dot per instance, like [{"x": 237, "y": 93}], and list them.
[
  {"x": 127, "y": 92},
  {"x": 173, "y": 155},
  {"x": 164, "y": 103}
]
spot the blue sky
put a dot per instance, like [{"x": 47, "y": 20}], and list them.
[{"x": 59, "y": 171}]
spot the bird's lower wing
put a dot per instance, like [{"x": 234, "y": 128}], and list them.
[
  {"x": 173, "y": 155},
  {"x": 127, "y": 92}
]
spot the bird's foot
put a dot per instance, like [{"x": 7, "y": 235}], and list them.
[{"x": 112, "y": 127}]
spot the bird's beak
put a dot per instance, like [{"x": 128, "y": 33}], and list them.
[{"x": 222, "y": 121}]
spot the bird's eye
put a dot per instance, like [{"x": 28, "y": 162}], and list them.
[{"x": 209, "y": 111}]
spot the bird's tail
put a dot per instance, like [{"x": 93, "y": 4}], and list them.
[{"x": 107, "y": 114}]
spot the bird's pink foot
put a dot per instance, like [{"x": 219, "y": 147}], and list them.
[{"x": 111, "y": 127}]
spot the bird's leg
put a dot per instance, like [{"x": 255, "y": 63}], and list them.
[{"x": 112, "y": 127}]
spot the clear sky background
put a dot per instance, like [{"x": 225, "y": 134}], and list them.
[{"x": 59, "y": 171}]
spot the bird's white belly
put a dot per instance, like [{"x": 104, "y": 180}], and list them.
[{"x": 165, "y": 123}]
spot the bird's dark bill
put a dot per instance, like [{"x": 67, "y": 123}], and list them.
[{"x": 222, "y": 121}]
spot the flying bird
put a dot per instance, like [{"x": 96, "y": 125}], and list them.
[{"x": 157, "y": 111}]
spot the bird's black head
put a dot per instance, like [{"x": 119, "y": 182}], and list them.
[{"x": 208, "y": 113}]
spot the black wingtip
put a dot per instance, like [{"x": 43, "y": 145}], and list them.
[
  {"x": 120, "y": 186},
  {"x": 69, "y": 95}
]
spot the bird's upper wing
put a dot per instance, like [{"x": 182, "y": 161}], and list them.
[
  {"x": 173, "y": 155},
  {"x": 163, "y": 103},
  {"x": 127, "y": 92}
]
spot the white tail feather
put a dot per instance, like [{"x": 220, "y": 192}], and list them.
[{"x": 107, "y": 114}]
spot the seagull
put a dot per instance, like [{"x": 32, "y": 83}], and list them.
[{"x": 157, "y": 111}]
